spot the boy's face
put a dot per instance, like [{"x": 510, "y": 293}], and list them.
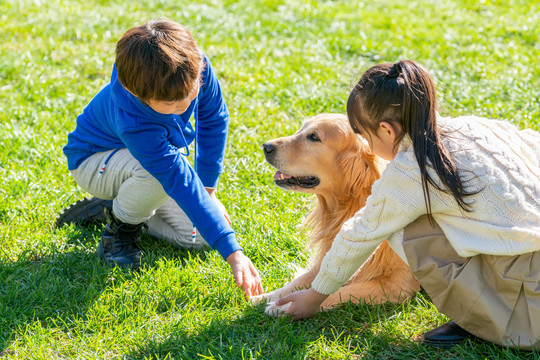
[{"x": 176, "y": 107}]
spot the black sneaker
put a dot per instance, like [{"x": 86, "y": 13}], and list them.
[
  {"x": 85, "y": 212},
  {"x": 119, "y": 244}
]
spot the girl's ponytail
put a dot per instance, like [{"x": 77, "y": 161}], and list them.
[
  {"x": 419, "y": 120},
  {"x": 404, "y": 93}
]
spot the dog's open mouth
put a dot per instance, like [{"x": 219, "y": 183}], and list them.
[{"x": 285, "y": 180}]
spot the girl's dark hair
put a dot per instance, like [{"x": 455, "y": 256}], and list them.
[
  {"x": 404, "y": 93},
  {"x": 159, "y": 60}
]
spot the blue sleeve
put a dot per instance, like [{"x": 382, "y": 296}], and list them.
[
  {"x": 213, "y": 124},
  {"x": 149, "y": 145}
]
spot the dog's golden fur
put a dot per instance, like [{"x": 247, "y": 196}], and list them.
[{"x": 327, "y": 158}]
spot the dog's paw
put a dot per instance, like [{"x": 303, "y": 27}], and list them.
[
  {"x": 274, "y": 310},
  {"x": 258, "y": 299},
  {"x": 264, "y": 298}
]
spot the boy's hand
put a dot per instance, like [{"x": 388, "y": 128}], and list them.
[
  {"x": 303, "y": 304},
  {"x": 245, "y": 274},
  {"x": 212, "y": 193}
]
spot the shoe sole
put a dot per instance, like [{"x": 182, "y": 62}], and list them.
[
  {"x": 84, "y": 212},
  {"x": 442, "y": 344}
]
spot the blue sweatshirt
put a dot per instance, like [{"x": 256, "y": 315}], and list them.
[{"x": 117, "y": 119}]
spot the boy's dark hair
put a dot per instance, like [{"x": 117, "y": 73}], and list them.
[
  {"x": 158, "y": 60},
  {"x": 404, "y": 93}
]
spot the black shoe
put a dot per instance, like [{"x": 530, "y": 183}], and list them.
[
  {"x": 446, "y": 336},
  {"x": 119, "y": 244},
  {"x": 85, "y": 212}
]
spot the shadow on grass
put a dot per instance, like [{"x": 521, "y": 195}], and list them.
[
  {"x": 60, "y": 286},
  {"x": 45, "y": 288},
  {"x": 336, "y": 334},
  {"x": 354, "y": 331}
]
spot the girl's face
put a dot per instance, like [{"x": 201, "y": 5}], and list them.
[{"x": 382, "y": 143}]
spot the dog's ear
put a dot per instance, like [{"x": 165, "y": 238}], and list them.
[{"x": 360, "y": 169}]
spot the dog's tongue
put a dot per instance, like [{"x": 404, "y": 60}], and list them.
[{"x": 278, "y": 174}]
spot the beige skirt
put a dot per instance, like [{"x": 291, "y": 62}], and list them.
[{"x": 496, "y": 298}]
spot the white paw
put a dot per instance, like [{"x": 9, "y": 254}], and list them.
[
  {"x": 263, "y": 298},
  {"x": 258, "y": 299},
  {"x": 274, "y": 310}
]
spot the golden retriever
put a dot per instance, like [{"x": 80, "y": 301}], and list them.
[{"x": 326, "y": 158}]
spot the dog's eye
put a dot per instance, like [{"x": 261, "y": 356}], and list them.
[{"x": 314, "y": 137}]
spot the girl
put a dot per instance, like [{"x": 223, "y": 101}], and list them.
[{"x": 462, "y": 199}]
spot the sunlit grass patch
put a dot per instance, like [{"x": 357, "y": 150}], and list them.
[{"x": 279, "y": 62}]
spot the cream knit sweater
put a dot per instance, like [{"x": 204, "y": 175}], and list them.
[{"x": 493, "y": 156}]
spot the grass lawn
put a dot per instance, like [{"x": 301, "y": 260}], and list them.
[{"x": 279, "y": 62}]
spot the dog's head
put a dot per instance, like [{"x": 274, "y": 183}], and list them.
[{"x": 324, "y": 157}]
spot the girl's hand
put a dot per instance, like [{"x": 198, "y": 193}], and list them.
[
  {"x": 245, "y": 274},
  {"x": 303, "y": 304}
]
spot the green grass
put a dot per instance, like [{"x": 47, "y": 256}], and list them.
[{"x": 279, "y": 62}]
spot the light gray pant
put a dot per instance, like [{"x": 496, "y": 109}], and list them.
[{"x": 137, "y": 196}]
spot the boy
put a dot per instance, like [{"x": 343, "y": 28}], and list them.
[{"x": 127, "y": 147}]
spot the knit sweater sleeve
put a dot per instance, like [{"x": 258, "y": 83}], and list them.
[{"x": 397, "y": 200}]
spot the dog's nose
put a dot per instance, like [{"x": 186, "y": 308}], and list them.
[{"x": 268, "y": 148}]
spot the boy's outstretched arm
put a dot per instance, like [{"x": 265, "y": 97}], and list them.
[{"x": 245, "y": 274}]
